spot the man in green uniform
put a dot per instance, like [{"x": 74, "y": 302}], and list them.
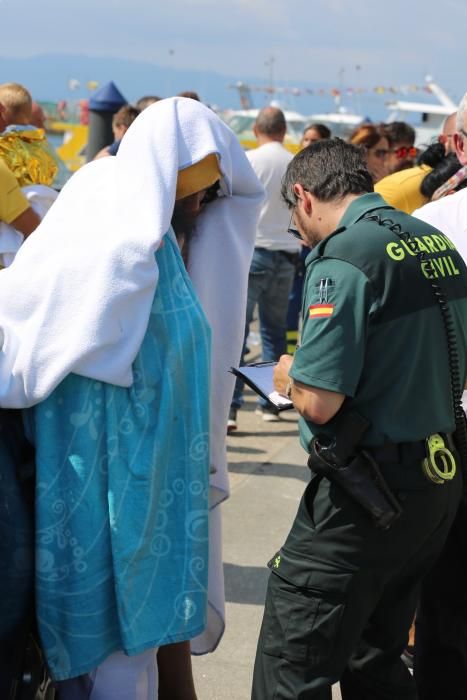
[{"x": 343, "y": 588}]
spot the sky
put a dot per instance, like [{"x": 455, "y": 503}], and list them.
[{"x": 358, "y": 43}]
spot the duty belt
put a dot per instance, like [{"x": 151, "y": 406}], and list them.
[{"x": 437, "y": 455}]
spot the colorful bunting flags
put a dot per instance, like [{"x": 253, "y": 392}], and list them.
[{"x": 337, "y": 91}]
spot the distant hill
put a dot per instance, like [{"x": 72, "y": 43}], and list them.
[{"x": 48, "y": 76}]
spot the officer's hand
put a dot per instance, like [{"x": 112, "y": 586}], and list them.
[{"x": 281, "y": 373}]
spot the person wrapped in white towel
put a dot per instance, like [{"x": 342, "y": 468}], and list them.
[{"x": 123, "y": 358}]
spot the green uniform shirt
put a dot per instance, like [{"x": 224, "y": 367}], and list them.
[{"x": 373, "y": 329}]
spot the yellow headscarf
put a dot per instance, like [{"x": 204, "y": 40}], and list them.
[{"x": 198, "y": 177}]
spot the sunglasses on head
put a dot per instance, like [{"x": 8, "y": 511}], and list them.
[{"x": 405, "y": 152}]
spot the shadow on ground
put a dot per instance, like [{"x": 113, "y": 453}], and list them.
[
  {"x": 243, "y": 449},
  {"x": 265, "y": 433},
  {"x": 245, "y": 584},
  {"x": 291, "y": 471}
]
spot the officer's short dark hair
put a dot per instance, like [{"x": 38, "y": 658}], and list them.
[
  {"x": 330, "y": 169},
  {"x": 271, "y": 121}
]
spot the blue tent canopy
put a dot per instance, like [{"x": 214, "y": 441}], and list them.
[{"x": 107, "y": 99}]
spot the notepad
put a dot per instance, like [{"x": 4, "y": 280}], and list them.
[{"x": 260, "y": 377}]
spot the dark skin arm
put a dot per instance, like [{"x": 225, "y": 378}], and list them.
[{"x": 27, "y": 222}]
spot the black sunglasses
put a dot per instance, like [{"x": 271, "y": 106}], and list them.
[{"x": 292, "y": 230}]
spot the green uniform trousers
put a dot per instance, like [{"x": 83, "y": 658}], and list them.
[{"x": 342, "y": 593}]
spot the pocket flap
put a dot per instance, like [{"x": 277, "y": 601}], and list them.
[{"x": 311, "y": 575}]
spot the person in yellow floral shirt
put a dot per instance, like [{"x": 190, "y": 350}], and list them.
[{"x": 23, "y": 147}]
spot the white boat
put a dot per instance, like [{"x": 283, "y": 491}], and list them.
[
  {"x": 426, "y": 117},
  {"x": 431, "y": 115}
]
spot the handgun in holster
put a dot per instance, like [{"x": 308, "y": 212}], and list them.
[{"x": 355, "y": 470}]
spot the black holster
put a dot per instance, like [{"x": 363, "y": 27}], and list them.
[
  {"x": 362, "y": 480},
  {"x": 355, "y": 470}
]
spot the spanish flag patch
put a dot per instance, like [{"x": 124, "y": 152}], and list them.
[{"x": 321, "y": 310}]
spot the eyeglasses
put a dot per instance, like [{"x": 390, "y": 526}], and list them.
[
  {"x": 381, "y": 153},
  {"x": 405, "y": 152},
  {"x": 464, "y": 133},
  {"x": 292, "y": 230}
]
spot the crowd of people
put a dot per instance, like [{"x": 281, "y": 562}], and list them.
[{"x": 115, "y": 395}]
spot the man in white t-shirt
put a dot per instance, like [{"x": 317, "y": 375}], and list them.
[
  {"x": 441, "y": 625},
  {"x": 276, "y": 251},
  {"x": 449, "y": 215}
]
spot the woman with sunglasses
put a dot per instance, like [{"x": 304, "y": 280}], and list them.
[{"x": 375, "y": 141}]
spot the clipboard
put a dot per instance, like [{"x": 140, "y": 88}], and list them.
[{"x": 259, "y": 376}]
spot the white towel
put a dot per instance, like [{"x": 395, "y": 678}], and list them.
[{"x": 78, "y": 296}]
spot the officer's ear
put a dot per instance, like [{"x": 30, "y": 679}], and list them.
[{"x": 304, "y": 198}]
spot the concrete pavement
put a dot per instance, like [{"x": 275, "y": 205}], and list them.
[{"x": 268, "y": 474}]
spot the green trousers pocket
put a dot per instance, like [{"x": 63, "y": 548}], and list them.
[{"x": 300, "y": 624}]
